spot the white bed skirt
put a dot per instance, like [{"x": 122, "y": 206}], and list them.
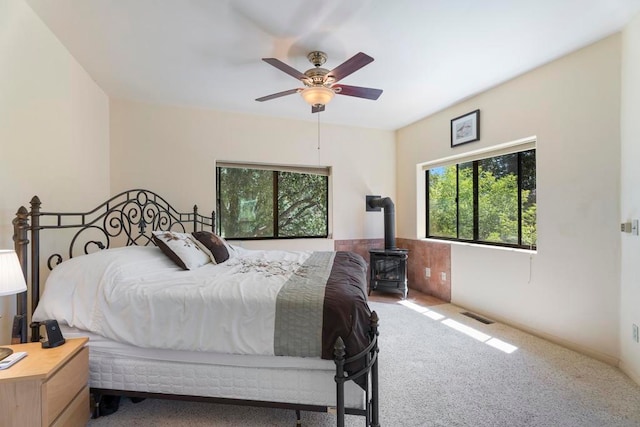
[{"x": 306, "y": 381}]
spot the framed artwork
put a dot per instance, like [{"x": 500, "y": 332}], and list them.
[{"x": 465, "y": 128}]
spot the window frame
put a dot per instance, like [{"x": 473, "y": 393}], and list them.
[
  {"x": 276, "y": 171},
  {"x": 475, "y": 160}
]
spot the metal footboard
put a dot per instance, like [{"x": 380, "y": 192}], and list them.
[{"x": 370, "y": 369}]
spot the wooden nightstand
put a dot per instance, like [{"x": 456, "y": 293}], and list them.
[{"x": 49, "y": 387}]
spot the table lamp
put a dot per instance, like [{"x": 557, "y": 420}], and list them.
[{"x": 11, "y": 282}]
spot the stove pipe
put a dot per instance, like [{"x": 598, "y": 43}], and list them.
[{"x": 389, "y": 218}]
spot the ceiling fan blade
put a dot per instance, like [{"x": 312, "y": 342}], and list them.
[
  {"x": 286, "y": 68},
  {"x": 317, "y": 108},
  {"x": 277, "y": 95},
  {"x": 357, "y": 91},
  {"x": 350, "y": 66}
]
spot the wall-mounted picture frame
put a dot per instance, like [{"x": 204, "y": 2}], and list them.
[{"x": 465, "y": 128}]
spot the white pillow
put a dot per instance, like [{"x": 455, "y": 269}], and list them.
[{"x": 181, "y": 248}]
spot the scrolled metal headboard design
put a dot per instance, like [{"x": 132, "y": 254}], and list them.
[{"x": 126, "y": 219}]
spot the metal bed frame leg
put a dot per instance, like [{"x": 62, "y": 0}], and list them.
[
  {"x": 339, "y": 353},
  {"x": 298, "y": 418},
  {"x": 95, "y": 401},
  {"x": 375, "y": 422}
]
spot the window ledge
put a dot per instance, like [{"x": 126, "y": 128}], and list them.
[{"x": 478, "y": 245}]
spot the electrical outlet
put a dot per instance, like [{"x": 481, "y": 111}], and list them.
[
  {"x": 427, "y": 272},
  {"x": 636, "y": 336},
  {"x": 443, "y": 276}
]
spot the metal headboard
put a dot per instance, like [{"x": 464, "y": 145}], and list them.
[{"x": 126, "y": 219}]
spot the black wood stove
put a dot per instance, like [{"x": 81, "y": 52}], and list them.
[
  {"x": 388, "y": 270},
  {"x": 388, "y": 266}
]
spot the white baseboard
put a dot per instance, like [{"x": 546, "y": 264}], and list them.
[
  {"x": 603, "y": 357},
  {"x": 635, "y": 376}
]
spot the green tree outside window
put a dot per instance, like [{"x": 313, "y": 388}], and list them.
[
  {"x": 485, "y": 201},
  {"x": 262, "y": 204}
]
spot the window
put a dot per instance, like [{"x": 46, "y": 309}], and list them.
[
  {"x": 271, "y": 202},
  {"x": 490, "y": 200}
]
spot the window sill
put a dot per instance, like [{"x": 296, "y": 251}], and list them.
[{"x": 478, "y": 245}]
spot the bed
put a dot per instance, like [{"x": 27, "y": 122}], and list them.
[{"x": 173, "y": 311}]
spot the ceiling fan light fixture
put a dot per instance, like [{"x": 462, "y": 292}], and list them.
[
  {"x": 317, "y": 95},
  {"x": 319, "y": 84}
]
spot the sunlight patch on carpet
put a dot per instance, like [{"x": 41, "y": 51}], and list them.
[
  {"x": 501, "y": 345},
  {"x": 467, "y": 330},
  {"x": 422, "y": 310}
]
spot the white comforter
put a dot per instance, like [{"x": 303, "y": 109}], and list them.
[{"x": 136, "y": 295}]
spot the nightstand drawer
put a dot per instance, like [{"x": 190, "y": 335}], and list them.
[
  {"x": 77, "y": 413},
  {"x": 64, "y": 386}
]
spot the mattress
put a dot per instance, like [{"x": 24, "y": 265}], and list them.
[{"x": 282, "y": 379}]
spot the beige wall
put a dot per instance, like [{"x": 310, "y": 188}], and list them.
[
  {"x": 173, "y": 150},
  {"x": 630, "y": 199},
  {"x": 568, "y": 290},
  {"x": 54, "y": 127}
]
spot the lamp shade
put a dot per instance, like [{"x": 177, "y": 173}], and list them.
[
  {"x": 11, "y": 277},
  {"x": 317, "y": 95}
]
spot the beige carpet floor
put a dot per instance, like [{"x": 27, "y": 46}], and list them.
[{"x": 440, "y": 368}]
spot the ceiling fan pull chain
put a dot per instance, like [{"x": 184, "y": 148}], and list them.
[{"x": 318, "y": 138}]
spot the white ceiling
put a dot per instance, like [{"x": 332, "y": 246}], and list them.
[{"x": 429, "y": 54}]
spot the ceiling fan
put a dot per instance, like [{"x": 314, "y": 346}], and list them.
[{"x": 320, "y": 83}]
